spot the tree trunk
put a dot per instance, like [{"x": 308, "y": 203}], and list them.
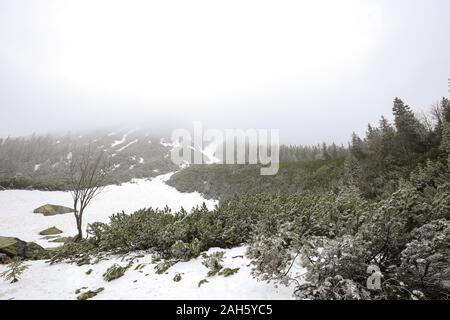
[{"x": 79, "y": 220}]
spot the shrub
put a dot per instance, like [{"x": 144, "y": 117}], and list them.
[{"x": 114, "y": 272}]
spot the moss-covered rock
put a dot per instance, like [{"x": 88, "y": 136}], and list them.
[
  {"x": 52, "y": 209},
  {"x": 50, "y": 237},
  {"x": 114, "y": 272},
  {"x": 62, "y": 240},
  {"x": 34, "y": 251},
  {"x": 14, "y": 247},
  {"x": 50, "y": 231}
]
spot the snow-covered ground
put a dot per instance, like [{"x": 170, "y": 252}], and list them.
[
  {"x": 18, "y": 220},
  {"x": 60, "y": 281}
]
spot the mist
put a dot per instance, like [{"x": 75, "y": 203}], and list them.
[{"x": 316, "y": 70}]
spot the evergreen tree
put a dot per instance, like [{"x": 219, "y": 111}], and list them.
[{"x": 408, "y": 130}]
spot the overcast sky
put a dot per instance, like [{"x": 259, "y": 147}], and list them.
[{"x": 317, "y": 70}]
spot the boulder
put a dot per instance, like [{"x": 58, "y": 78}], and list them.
[
  {"x": 50, "y": 231},
  {"x": 33, "y": 251},
  {"x": 52, "y": 209},
  {"x": 14, "y": 247},
  {"x": 62, "y": 240}
]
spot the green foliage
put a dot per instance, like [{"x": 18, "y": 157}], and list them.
[
  {"x": 332, "y": 288},
  {"x": 163, "y": 266},
  {"x": 185, "y": 251},
  {"x": 89, "y": 294},
  {"x": 213, "y": 262},
  {"x": 225, "y": 181},
  {"x": 177, "y": 277},
  {"x": 425, "y": 260},
  {"x": 114, "y": 272},
  {"x": 227, "y": 272},
  {"x": 201, "y": 282},
  {"x": 16, "y": 267}
]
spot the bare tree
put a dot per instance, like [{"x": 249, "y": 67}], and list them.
[{"x": 88, "y": 176}]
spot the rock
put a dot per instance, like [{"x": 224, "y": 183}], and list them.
[
  {"x": 14, "y": 247},
  {"x": 52, "y": 209},
  {"x": 50, "y": 237},
  {"x": 33, "y": 251},
  {"x": 50, "y": 231},
  {"x": 62, "y": 240}
]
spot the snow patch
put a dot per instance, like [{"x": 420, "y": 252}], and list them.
[
  {"x": 60, "y": 281},
  {"x": 127, "y": 145},
  {"x": 124, "y": 137},
  {"x": 18, "y": 219}
]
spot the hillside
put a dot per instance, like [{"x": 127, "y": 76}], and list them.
[
  {"x": 41, "y": 162},
  {"x": 224, "y": 181}
]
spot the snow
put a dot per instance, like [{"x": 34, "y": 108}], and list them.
[
  {"x": 141, "y": 160},
  {"x": 36, "y": 167},
  {"x": 173, "y": 145},
  {"x": 124, "y": 137},
  {"x": 69, "y": 156},
  {"x": 59, "y": 281},
  {"x": 127, "y": 145},
  {"x": 18, "y": 220}
]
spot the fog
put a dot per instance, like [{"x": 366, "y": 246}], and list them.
[{"x": 316, "y": 70}]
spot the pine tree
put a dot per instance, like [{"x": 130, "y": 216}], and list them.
[
  {"x": 357, "y": 147},
  {"x": 15, "y": 269},
  {"x": 445, "y": 142},
  {"x": 387, "y": 134},
  {"x": 408, "y": 130}
]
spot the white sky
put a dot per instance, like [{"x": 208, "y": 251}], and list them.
[{"x": 317, "y": 70}]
